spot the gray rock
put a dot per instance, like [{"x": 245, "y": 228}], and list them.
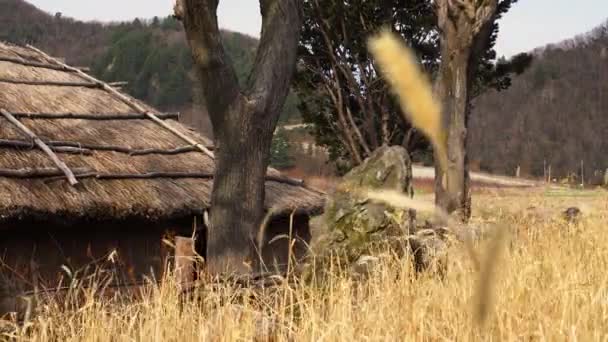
[
  {"x": 572, "y": 214},
  {"x": 365, "y": 265},
  {"x": 429, "y": 250},
  {"x": 356, "y": 228},
  {"x": 353, "y": 222}
]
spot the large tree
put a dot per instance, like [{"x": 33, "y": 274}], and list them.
[
  {"x": 346, "y": 100},
  {"x": 467, "y": 28},
  {"x": 243, "y": 120}
]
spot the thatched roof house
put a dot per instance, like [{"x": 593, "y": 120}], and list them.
[{"x": 132, "y": 163}]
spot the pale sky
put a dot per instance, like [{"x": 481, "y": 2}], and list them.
[{"x": 529, "y": 24}]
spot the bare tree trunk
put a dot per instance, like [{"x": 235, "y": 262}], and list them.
[
  {"x": 243, "y": 122},
  {"x": 452, "y": 191},
  {"x": 464, "y": 25},
  {"x": 237, "y": 199}
]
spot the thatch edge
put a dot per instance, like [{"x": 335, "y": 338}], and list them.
[{"x": 311, "y": 199}]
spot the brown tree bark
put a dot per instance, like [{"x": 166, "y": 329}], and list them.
[
  {"x": 243, "y": 122},
  {"x": 465, "y": 27}
]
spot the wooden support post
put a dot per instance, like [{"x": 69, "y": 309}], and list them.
[
  {"x": 44, "y": 147},
  {"x": 582, "y": 173},
  {"x": 184, "y": 261}
]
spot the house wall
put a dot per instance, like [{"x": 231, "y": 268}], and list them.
[
  {"x": 34, "y": 255},
  {"x": 276, "y": 253}
]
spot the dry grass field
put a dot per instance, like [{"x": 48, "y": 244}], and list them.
[
  {"x": 549, "y": 283},
  {"x": 540, "y": 278}
]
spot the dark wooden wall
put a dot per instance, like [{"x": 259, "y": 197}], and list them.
[
  {"x": 43, "y": 255},
  {"x": 275, "y": 253}
]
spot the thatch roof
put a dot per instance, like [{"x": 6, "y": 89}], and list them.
[{"x": 127, "y": 165}]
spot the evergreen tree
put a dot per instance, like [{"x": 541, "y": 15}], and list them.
[
  {"x": 280, "y": 151},
  {"x": 341, "y": 93}
]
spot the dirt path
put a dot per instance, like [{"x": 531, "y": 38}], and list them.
[
  {"x": 292, "y": 127},
  {"x": 422, "y": 172}
]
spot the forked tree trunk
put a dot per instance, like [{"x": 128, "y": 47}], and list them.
[
  {"x": 243, "y": 122},
  {"x": 465, "y": 25},
  {"x": 241, "y": 159}
]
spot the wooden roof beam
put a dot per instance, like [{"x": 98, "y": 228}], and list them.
[
  {"x": 44, "y": 147},
  {"x": 82, "y": 173},
  {"x": 35, "y": 64},
  {"x": 129, "y": 101},
  {"x": 132, "y": 102},
  {"x": 94, "y": 116},
  {"x": 84, "y": 148},
  {"x": 32, "y": 63},
  {"x": 52, "y": 83}
]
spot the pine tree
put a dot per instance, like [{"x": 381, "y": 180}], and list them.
[
  {"x": 280, "y": 151},
  {"x": 341, "y": 93}
]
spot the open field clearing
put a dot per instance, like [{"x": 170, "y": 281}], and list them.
[
  {"x": 422, "y": 172},
  {"x": 424, "y": 178},
  {"x": 549, "y": 283}
]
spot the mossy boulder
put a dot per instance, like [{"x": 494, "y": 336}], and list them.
[{"x": 353, "y": 226}]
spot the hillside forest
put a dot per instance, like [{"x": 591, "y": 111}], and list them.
[
  {"x": 552, "y": 116},
  {"x": 150, "y": 54}
]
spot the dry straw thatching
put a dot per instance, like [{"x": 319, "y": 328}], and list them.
[{"x": 127, "y": 165}]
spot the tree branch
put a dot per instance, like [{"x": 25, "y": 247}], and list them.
[
  {"x": 337, "y": 100},
  {"x": 357, "y": 131},
  {"x": 217, "y": 76},
  {"x": 339, "y": 67},
  {"x": 275, "y": 58},
  {"x": 485, "y": 16}
]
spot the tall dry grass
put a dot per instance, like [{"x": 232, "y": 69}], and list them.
[
  {"x": 547, "y": 281},
  {"x": 551, "y": 285}
]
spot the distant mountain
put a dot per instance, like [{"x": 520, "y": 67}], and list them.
[
  {"x": 151, "y": 55},
  {"x": 79, "y": 42},
  {"x": 556, "y": 113}
]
